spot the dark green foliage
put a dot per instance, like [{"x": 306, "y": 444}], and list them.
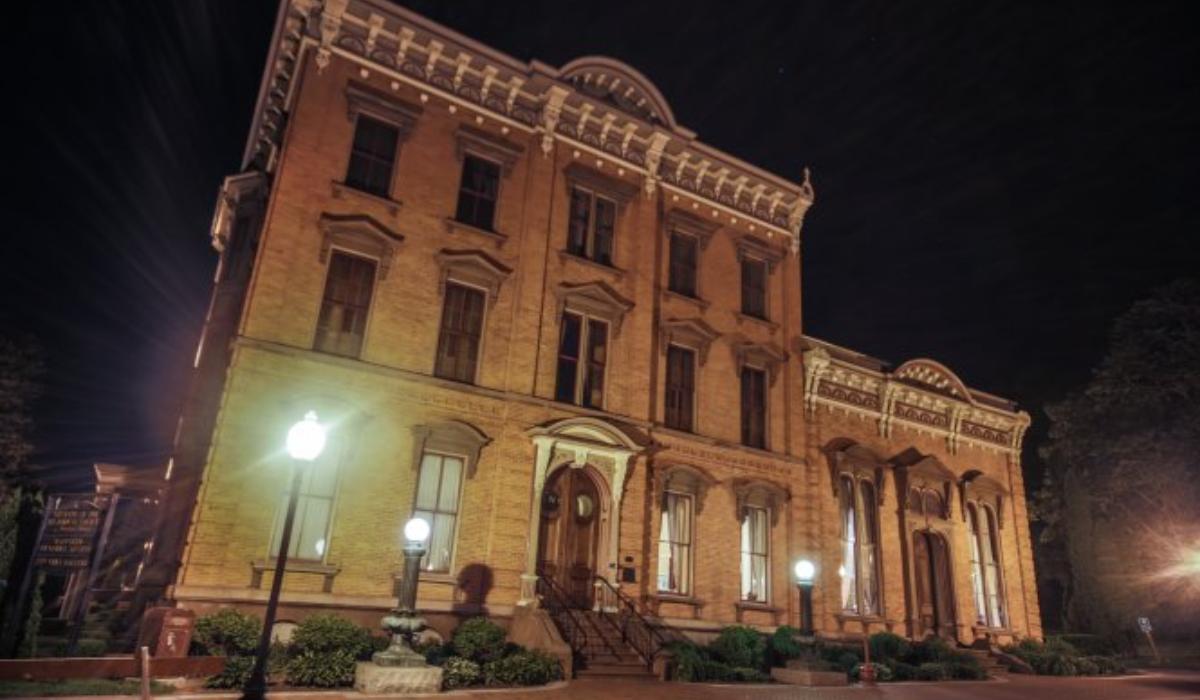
[
  {"x": 1059, "y": 657},
  {"x": 479, "y": 639},
  {"x": 886, "y": 646},
  {"x": 932, "y": 671},
  {"x": 902, "y": 671},
  {"x": 782, "y": 646},
  {"x": 33, "y": 623},
  {"x": 236, "y": 673},
  {"x": 1106, "y": 665},
  {"x": 437, "y": 654},
  {"x": 883, "y": 673},
  {"x": 460, "y": 673},
  {"x": 1089, "y": 644},
  {"x": 741, "y": 647},
  {"x": 522, "y": 668},
  {"x": 966, "y": 669},
  {"x": 324, "y": 649},
  {"x": 848, "y": 660},
  {"x": 325, "y": 669},
  {"x": 928, "y": 650},
  {"x": 688, "y": 660},
  {"x": 226, "y": 632}
]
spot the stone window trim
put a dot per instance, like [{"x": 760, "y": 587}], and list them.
[
  {"x": 359, "y": 234},
  {"x": 755, "y": 248},
  {"x": 846, "y": 457},
  {"x": 595, "y": 300},
  {"x": 683, "y": 478},
  {"x": 472, "y": 268},
  {"x": 328, "y": 572},
  {"x": 690, "y": 333},
  {"x": 451, "y": 437},
  {"x": 975, "y": 486},
  {"x": 483, "y": 144},
  {"x": 363, "y": 99},
  {"x": 681, "y": 221},
  {"x": 603, "y": 184},
  {"x": 763, "y": 356},
  {"x": 759, "y": 493}
]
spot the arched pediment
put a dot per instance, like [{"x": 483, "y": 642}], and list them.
[
  {"x": 473, "y": 267},
  {"x": 684, "y": 478},
  {"x": 761, "y": 493},
  {"x": 846, "y": 456},
  {"x": 924, "y": 474},
  {"x": 979, "y": 487},
  {"x": 452, "y": 437},
  {"x": 691, "y": 333},
  {"x": 593, "y": 430},
  {"x": 934, "y": 376},
  {"x": 359, "y": 233},
  {"x": 766, "y": 356},
  {"x": 620, "y": 85}
]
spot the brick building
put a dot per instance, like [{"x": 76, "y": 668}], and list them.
[{"x": 538, "y": 312}]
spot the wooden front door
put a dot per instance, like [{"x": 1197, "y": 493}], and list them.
[
  {"x": 570, "y": 533},
  {"x": 935, "y": 596}
]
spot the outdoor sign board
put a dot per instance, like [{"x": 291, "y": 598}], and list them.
[{"x": 70, "y": 532}]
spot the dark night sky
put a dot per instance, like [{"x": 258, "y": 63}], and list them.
[{"x": 994, "y": 181}]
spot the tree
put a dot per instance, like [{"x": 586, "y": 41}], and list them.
[
  {"x": 1123, "y": 479},
  {"x": 20, "y": 370}
]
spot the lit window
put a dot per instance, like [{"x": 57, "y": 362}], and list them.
[
  {"x": 675, "y": 544},
  {"x": 859, "y": 570},
  {"x": 437, "y": 503},
  {"x": 755, "y": 553},
  {"x": 985, "y": 566},
  {"x": 314, "y": 506}
]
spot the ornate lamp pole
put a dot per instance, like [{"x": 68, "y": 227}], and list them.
[
  {"x": 403, "y": 622},
  {"x": 305, "y": 442},
  {"x": 805, "y": 570}
]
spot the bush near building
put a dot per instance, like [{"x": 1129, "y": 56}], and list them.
[{"x": 1059, "y": 657}]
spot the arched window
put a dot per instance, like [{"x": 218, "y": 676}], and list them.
[
  {"x": 985, "y": 567},
  {"x": 976, "y": 566},
  {"x": 860, "y": 547},
  {"x": 675, "y": 543}
]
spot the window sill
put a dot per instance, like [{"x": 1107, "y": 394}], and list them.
[
  {"x": 744, "y": 317},
  {"x": 677, "y": 599},
  {"x": 454, "y": 225},
  {"x": 616, "y": 271},
  {"x": 854, "y": 617},
  {"x": 296, "y": 566},
  {"x": 744, "y": 606},
  {"x": 340, "y": 189},
  {"x": 703, "y": 304}
]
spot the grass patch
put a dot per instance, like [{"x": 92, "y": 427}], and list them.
[{"x": 89, "y": 686}]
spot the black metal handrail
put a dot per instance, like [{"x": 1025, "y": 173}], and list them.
[
  {"x": 555, "y": 601},
  {"x": 635, "y": 629}
]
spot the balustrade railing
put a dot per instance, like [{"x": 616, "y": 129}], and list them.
[
  {"x": 554, "y": 600},
  {"x": 635, "y": 629}
]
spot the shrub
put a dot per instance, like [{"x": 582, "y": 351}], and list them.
[
  {"x": 903, "y": 671},
  {"x": 886, "y": 646},
  {"x": 1058, "y": 645},
  {"x": 437, "y": 654},
  {"x": 688, "y": 659},
  {"x": 848, "y": 660},
  {"x": 882, "y": 672},
  {"x": 933, "y": 649},
  {"x": 932, "y": 671},
  {"x": 1089, "y": 644},
  {"x": 479, "y": 639},
  {"x": 235, "y": 674},
  {"x": 740, "y": 646},
  {"x": 1107, "y": 665},
  {"x": 460, "y": 673},
  {"x": 1084, "y": 666},
  {"x": 739, "y": 674},
  {"x": 321, "y": 669},
  {"x": 324, "y": 649},
  {"x": 522, "y": 668},
  {"x": 962, "y": 670},
  {"x": 226, "y": 632},
  {"x": 783, "y": 646}
]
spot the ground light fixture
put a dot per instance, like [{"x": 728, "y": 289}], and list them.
[
  {"x": 403, "y": 623},
  {"x": 304, "y": 443}
]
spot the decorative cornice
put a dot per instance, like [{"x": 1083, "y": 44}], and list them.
[
  {"x": 361, "y": 234},
  {"x": 596, "y": 299},
  {"x": 468, "y": 139},
  {"x": 473, "y": 267},
  {"x": 363, "y": 99},
  {"x": 689, "y": 332}
]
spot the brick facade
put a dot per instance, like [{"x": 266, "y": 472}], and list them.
[{"x": 378, "y": 403}]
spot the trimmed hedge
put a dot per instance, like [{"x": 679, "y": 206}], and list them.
[
  {"x": 522, "y": 668},
  {"x": 1060, "y": 657},
  {"x": 479, "y": 639},
  {"x": 324, "y": 650}
]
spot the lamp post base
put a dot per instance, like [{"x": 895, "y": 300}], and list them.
[{"x": 372, "y": 679}]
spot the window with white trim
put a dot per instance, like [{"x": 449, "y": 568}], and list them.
[
  {"x": 438, "y": 491},
  {"x": 755, "y": 565},
  {"x": 675, "y": 543},
  {"x": 582, "y": 360},
  {"x": 314, "y": 509}
]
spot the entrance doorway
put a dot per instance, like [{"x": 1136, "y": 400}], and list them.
[
  {"x": 935, "y": 595},
  {"x": 569, "y": 535}
]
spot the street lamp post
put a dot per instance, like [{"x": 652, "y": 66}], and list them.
[
  {"x": 305, "y": 442},
  {"x": 403, "y": 622},
  {"x": 805, "y": 570}
]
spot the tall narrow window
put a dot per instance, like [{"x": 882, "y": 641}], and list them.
[
  {"x": 310, "y": 527},
  {"x": 582, "y": 359},
  {"x": 681, "y": 387},
  {"x": 372, "y": 156},
  {"x": 681, "y": 276},
  {"x": 343, "y": 318},
  {"x": 590, "y": 228},
  {"x": 859, "y": 570},
  {"x": 754, "y": 407},
  {"x": 438, "y": 489},
  {"x": 755, "y": 553},
  {"x": 462, "y": 326},
  {"x": 991, "y": 567},
  {"x": 848, "y": 571},
  {"x": 868, "y": 550},
  {"x": 977, "y": 587},
  {"x": 754, "y": 288},
  {"x": 477, "y": 192},
  {"x": 675, "y": 544}
]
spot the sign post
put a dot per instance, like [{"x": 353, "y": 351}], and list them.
[{"x": 1144, "y": 626}]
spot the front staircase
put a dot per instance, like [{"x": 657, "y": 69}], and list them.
[{"x": 995, "y": 667}]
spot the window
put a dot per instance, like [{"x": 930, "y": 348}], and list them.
[
  {"x": 985, "y": 568},
  {"x": 754, "y": 288},
  {"x": 314, "y": 506},
  {"x": 372, "y": 156},
  {"x": 590, "y": 232},
  {"x": 462, "y": 325},
  {"x": 755, "y": 553},
  {"x": 754, "y": 407},
  {"x": 343, "y": 319},
  {"x": 681, "y": 387},
  {"x": 675, "y": 544},
  {"x": 859, "y": 570},
  {"x": 438, "y": 487},
  {"x": 582, "y": 356},
  {"x": 681, "y": 276},
  {"x": 477, "y": 192}
]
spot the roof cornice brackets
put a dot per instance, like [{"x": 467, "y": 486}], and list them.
[
  {"x": 758, "y": 249},
  {"x": 762, "y": 355},
  {"x": 365, "y": 100},
  {"x": 492, "y": 147},
  {"x": 360, "y": 234},
  {"x": 475, "y": 268},
  {"x": 331, "y": 22},
  {"x": 552, "y": 104},
  {"x": 654, "y": 153},
  {"x": 691, "y": 333},
  {"x": 686, "y": 222},
  {"x": 595, "y": 299},
  {"x": 957, "y": 411},
  {"x": 816, "y": 365},
  {"x": 887, "y": 399}
]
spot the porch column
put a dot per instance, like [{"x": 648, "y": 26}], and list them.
[
  {"x": 621, "y": 461},
  {"x": 545, "y": 450}
]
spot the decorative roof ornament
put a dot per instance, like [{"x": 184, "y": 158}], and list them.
[
  {"x": 620, "y": 86},
  {"x": 936, "y": 376},
  {"x": 800, "y": 208}
]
